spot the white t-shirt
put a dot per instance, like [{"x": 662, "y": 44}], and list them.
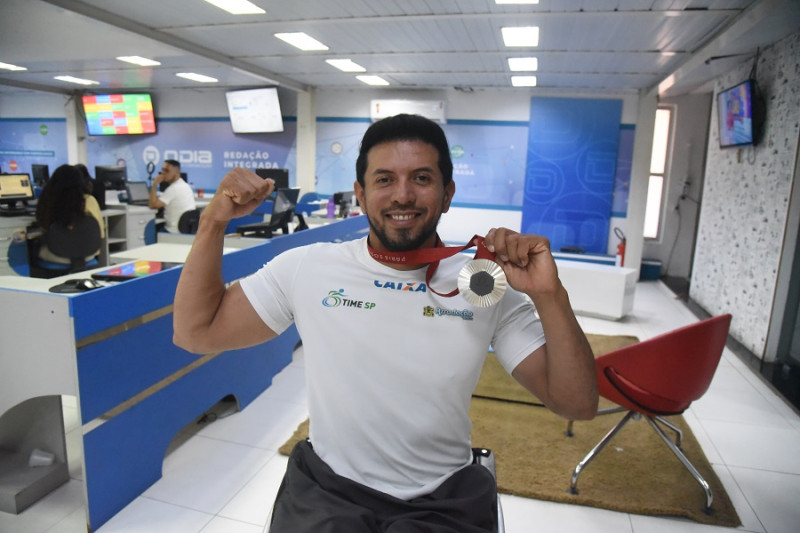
[
  {"x": 178, "y": 198},
  {"x": 390, "y": 366}
]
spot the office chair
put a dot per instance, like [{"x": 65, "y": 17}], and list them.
[
  {"x": 659, "y": 377},
  {"x": 189, "y": 221},
  {"x": 75, "y": 242}
]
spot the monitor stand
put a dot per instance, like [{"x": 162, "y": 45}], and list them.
[{"x": 13, "y": 210}]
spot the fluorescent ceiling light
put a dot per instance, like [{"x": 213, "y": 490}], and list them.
[
  {"x": 345, "y": 65},
  {"x": 523, "y": 64},
  {"x": 501, "y": 2},
  {"x": 521, "y": 36},
  {"x": 9, "y": 66},
  {"x": 197, "y": 77},
  {"x": 141, "y": 61},
  {"x": 237, "y": 7},
  {"x": 79, "y": 81},
  {"x": 523, "y": 81},
  {"x": 372, "y": 80},
  {"x": 301, "y": 40}
]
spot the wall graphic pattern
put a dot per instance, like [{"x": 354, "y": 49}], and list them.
[{"x": 569, "y": 183}]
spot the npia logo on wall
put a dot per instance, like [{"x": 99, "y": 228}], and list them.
[{"x": 189, "y": 158}]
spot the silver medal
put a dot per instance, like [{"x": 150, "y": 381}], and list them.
[{"x": 482, "y": 282}]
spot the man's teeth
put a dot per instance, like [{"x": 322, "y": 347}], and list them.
[{"x": 402, "y": 217}]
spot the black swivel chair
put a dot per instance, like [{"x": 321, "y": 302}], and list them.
[
  {"x": 189, "y": 221},
  {"x": 75, "y": 242}
]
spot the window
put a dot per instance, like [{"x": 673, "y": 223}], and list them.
[{"x": 658, "y": 165}]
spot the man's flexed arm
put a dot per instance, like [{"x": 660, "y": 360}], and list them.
[
  {"x": 561, "y": 373},
  {"x": 207, "y": 317}
]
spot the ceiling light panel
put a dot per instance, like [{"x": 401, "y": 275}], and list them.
[
  {"x": 503, "y": 2},
  {"x": 9, "y": 66},
  {"x": 141, "y": 61},
  {"x": 523, "y": 64},
  {"x": 372, "y": 80},
  {"x": 202, "y": 78},
  {"x": 523, "y": 81},
  {"x": 521, "y": 36},
  {"x": 345, "y": 65},
  {"x": 237, "y": 7},
  {"x": 301, "y": 40},
  {"x": 79, "y": 81}
]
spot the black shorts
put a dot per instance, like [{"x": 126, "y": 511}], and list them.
[{"x": 314, "y": 499}]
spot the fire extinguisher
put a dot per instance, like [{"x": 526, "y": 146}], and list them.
[{"x": 620, "y": 259}]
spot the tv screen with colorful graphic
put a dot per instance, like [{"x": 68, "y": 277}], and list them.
[
  {"x": 740, "y": 115},
  {"x": 119, "y": 114}
]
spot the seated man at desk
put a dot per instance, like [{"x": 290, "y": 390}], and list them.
[{"x": 176, "y": 199}]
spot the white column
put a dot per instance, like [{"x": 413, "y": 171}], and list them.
[
  {"x": 306, "y": 141},
  {"x": 640, "y": 176}
]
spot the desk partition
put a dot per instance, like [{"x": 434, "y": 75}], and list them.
[{"x": 112, "y": 348}]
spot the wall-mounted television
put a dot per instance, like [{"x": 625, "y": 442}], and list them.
[
  {"x": 255, "y": 110},
  {"x": 740, "y": 114},
  {"x": 119, "y": 114}
]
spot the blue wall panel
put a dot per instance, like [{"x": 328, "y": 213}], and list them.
[{"x": 569, "y": 180}]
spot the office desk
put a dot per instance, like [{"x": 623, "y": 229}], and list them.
[{"x": 112, "y": 349}]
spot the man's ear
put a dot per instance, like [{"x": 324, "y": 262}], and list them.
[
  {"x": 359, "y": 190},
  {"x": 449, "y": 192}
]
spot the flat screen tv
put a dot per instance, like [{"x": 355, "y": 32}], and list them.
[
  {"x": 119, "y": 114},
  {"x": 255, "y": 110},
  {"x": 740, "y": 114}
]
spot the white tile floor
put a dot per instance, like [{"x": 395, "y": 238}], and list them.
[{"x": 222, "y": 477}]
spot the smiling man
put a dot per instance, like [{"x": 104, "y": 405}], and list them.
[{"x": 389, "y": 439}]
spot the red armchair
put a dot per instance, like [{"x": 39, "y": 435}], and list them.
[{"x": 659, "y": 377}]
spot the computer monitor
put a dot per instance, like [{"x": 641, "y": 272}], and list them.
[
  {"x": 282, "y": 214},
  {"x": 15, "y": 189},
  {"x": 112, "y": 177},
  {"x": 345, "y": 200},
  {"x": 40, "y": 173},
  {"x": 279, "y": 175},
  {"x": 138, "y": 193}
]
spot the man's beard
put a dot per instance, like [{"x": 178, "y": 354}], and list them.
[{"x": 404, "y": 241}]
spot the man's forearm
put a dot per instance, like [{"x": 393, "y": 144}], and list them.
[{"x": 201, "y": 287}]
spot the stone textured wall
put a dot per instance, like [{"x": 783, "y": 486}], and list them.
[{"x": 745, "y": 202}]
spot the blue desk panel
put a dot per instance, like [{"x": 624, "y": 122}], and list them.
[{"x": 137, "y": 389}]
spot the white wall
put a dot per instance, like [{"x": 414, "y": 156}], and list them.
[{"x": 743, "y": 218}]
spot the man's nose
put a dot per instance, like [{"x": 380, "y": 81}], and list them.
[{"x": 404, "y": 191}]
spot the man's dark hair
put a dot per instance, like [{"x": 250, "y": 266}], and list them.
[
  {"x": 405, "y": 127},
  {"x": 173, "y": 163}
]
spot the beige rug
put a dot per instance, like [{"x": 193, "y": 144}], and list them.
[{"x": 636, "y": 473}]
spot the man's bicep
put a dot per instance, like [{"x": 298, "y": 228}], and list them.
[
  {"x": 531, "y": 373},
  {"x": 236, "y": 323}
]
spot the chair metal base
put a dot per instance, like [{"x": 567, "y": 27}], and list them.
[{"x": 654, "y": 422}]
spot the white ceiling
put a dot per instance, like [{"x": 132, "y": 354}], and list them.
[{"x": 586, "y": 46}]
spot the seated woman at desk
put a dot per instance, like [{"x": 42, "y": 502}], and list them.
[{"x": 64, "y": 198}]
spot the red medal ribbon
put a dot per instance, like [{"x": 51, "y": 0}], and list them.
[{"x": 431, "y": 257}]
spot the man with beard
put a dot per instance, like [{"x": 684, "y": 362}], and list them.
[{"x": 389, "y": 439}]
